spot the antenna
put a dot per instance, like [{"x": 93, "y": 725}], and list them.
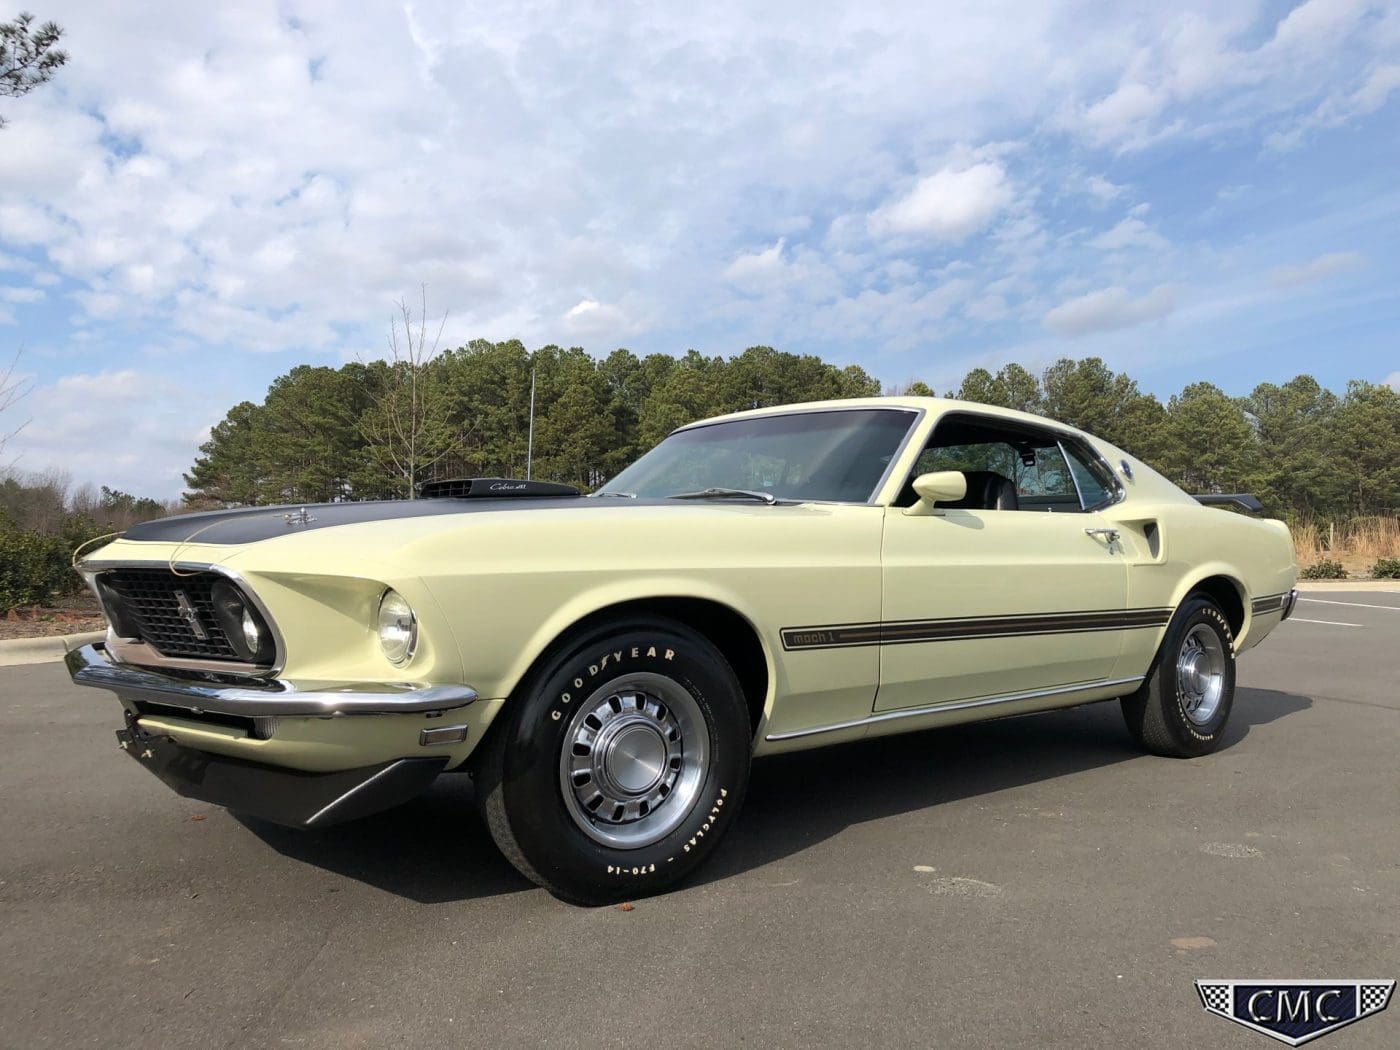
[{"x": 530, "y": 441}]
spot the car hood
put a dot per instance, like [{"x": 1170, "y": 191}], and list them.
[{"x": 252, "y": 524}]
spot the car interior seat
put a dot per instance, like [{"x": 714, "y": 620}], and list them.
[{"x": 986, "y": 490}]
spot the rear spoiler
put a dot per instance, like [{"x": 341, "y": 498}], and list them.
[
  {"x": 1243, "y": 500},
  {"x": 491, "y": 488}
]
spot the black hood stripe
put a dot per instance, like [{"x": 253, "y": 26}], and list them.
[{"x": 251, "y": 524}]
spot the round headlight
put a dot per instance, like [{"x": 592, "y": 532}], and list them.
[
  {"x": 240, "y": 623},
  {"x": 398, "y": 628}
]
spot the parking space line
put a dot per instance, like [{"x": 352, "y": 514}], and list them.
[
  {"x": 1329, "y": 623},
  {"x": 1358, "y": 605}
]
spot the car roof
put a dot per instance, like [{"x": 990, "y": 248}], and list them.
[
  {"x": 1147, "y": 483},
  {"x": 931, "y": 405}
]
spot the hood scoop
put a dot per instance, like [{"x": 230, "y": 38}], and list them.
[{"x": 491, "y": 488}]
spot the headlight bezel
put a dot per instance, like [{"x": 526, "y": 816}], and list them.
[
  {"x": 115, "y": 608},
  {"x": 235, "y": 613},
  {"x": 401, "y": 652}
]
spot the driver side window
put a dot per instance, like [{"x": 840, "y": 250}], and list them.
[{"x": 1012, "y": 466}]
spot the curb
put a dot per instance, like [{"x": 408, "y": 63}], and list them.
[
  {"x": 17, "y": 651},
  {"x": 1387, "y": 586}
]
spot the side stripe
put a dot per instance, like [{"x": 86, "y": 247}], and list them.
[{"x": 903, "y": 632}]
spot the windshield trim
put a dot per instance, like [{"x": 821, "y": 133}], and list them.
[
  {"x": 916, "y": 417},
  {"x": 898, "y": 455}
]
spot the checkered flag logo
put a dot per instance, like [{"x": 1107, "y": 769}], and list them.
[
  {"x": 1214, "y": 997},
  {"x": 1374, "y": 997},
  {"x": 1294, "y": 1012}
]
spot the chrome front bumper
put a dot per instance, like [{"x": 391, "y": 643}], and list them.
[{"x": 91, "y": 666}]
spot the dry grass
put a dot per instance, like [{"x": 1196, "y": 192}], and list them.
[{"x": 1357, "y": 543}]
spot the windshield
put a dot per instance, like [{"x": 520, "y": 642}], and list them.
[{"x": 837, "y": 456}]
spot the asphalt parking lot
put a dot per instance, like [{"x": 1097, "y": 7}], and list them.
[{"x": 1033, "y": 881}]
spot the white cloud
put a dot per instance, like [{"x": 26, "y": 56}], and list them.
[
  {"x": 123, "y": 428},
  {"x": 1123, "y": 112},
  {"x": 988, "y": 308},
  {"x": 1392, "y": 381},
  {"x": 1375, "y": 92},
  {"x": 589, "y": 318},
  {"x": 1103, "y": 189},
  {"x": 793, "y": 174},
  {"x": 1318, "y": 269},
  {"x": 1132, "y": 232},
  {"x": 1204, "y": 72},
  {"x": 757, "y": 271},
  {"x": 16, "y": 294},
  {"x": 1340, "y": 108},
  {"x": 519, "y": 160},
  {"x": 949, "y": 205},
  {"x": 1108, "y": 309},
  {"x": 104, "y": 387},
  {"x": 1311, "y": 23}
]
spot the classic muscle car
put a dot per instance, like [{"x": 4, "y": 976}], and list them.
[{"x": 606, "y": 666}]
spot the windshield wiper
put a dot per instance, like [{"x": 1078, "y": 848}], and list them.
[
  {"x": 723, "y": 493},
  {"x": 614, "y": 495}
]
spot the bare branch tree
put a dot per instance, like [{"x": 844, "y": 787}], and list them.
[
  {"x": 12, "y": 388},
  {"x": 407, "y": 430}
]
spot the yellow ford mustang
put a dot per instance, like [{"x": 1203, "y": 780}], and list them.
[{"x": 606, "y": 666}]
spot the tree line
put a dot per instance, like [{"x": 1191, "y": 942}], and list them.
[
  {"x": 372, "y": 431},
  {"x": 375, "y": 430}
]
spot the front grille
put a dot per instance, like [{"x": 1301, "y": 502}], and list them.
[{"x": 152, "y": 600}]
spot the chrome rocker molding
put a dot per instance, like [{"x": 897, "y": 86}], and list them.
[
  {"x": 957, "y": 705},
  {"x": 91, "y": 666}
]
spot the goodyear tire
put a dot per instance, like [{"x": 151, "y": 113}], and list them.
[
  {"x": 620, "y": 765},
  {"x": 1184, "y": 703}
]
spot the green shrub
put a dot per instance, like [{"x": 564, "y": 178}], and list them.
[
  {"x": 1386, "y": 569},
  {"x": 37, "y": 567},
  {"x": 1324, "y": 570},
  {"x": 34, "y": 568}
]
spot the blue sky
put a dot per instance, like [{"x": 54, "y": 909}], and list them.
[{"x": 206, "y": 196}]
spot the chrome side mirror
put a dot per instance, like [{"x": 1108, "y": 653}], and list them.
[{"x": 941, "y": 486}]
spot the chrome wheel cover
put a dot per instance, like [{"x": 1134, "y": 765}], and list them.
[
  {"x": 1200, "y": 673},
  {"x": 633, "y": 760}
]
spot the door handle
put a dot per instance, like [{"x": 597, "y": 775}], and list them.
[{"x": 1111, "y": 535}]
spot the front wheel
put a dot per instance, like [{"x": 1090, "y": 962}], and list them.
[
  {"x": 1184, "y": 702},
  {"x": 621, "y": 765}
]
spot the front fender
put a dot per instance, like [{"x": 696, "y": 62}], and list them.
[{"x": 499, "y": 668}]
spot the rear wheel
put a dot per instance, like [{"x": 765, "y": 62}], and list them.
[
  {"x": 1184, "y": 703},
  {"x": 620, "y": 766}
]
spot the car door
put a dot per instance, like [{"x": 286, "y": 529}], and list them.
[{"x": 981, "y": 602}]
